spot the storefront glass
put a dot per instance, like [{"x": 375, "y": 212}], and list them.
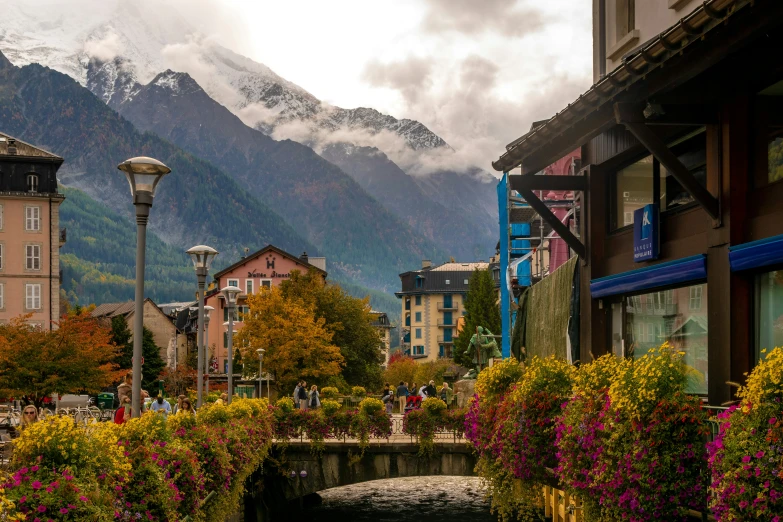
[
  {"x": 677, "y": 316},
  {"x": 769, "y": 312},
  {"x": 633, "y": 190}
]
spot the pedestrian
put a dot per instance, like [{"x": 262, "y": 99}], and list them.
[
  {"x": 178, "y": 406},
  {"x": 423, "y": 391},
  {"x": 161, "y": 405},
  {"x": 388, "y": 400},
  {"x": 125, "y": 388},
  {"x": 402, "y": 395},
  {"x": 430, "y": 390},
  {"x": 29, "y": 416},
  {"x": 303, "y": 396},
  {"x": 123, "y": 413},
  {"x": 296, "y": 393},
  {"x": 386, "y": 389},
  {"x": 315, "y": 401},
  {"x": 446, "y": 394},
  {"x": 187, "y": 407}
]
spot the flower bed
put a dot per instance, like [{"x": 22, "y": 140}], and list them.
[{"x": 150, "y": 468}]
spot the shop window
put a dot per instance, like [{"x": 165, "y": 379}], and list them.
[
  {"x": 634, "y": 185},
  {"x": 677, "y": 316},
  {"x": 769, "y": 312}
]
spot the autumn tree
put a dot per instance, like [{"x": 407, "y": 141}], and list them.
[
  {"x": 350, "y": 322},
  {"x": 400, "y": 369},
  {"x": 77, "y": 357},
  {"x": 297, "y": 343},
  {"x": 481, "y": 309}
]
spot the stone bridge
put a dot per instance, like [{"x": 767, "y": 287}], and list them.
[{"x": 296, "y": 472}]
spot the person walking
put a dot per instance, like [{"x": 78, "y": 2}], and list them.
[
  {"x": 296, "y": 394},
  {"x": 423, "y": 391},
  {"x": 402, "y": 395},
  {"x": 161, "y": 405},
  {"x": 315, "y": 401},
  {"x": 430, "y": 390},
  {"x": 303, "y": 396},
  {"x": 446, "y": 394},
  {"x": 125, "y": 388}
]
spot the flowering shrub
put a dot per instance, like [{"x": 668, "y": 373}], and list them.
[
  {"x": 746, "y": 459},
  {"x": 330, "y": 407},
  {"x": 371, "y": 406},
  {"x": 358, "y": 392},
  {"x": 497, "y": 379},
  {"x": 329, "y": 392}
]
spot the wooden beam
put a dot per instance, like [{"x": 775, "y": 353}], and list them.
[
  {"x": 557, "y": 225},
  {"x": 658, "y": 148},
  {"x": 666, "y": 114},
  {"x": 576, "y": 183}
]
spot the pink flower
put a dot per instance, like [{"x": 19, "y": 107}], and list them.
[
  {"x": 746, "y": 459},
  {"x": 41, "y": 509},
  {"x": 759, "y": 454},
  {"x": 63, "y": 511},
  {"x": 36, "y": 485}
]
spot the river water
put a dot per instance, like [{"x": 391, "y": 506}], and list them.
[{"x": 416, "y": 499}]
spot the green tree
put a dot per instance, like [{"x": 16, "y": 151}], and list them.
[
  {"x": 153, "y": 363},
  {"x": 348, "y": 319},
  {"x": 481, "y": 310},
  {"x": 121, "y": 337}
]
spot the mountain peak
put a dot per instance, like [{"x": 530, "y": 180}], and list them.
[
  {"x": 176, "y": 82},
  {"x": 5, "y": 63}
]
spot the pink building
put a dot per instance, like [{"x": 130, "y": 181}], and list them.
[{"x": 268, "y": 267}]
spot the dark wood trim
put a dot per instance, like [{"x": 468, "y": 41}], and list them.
[
  {"x": 557, "y": 225},
  {"x": 546, "y": 182}
]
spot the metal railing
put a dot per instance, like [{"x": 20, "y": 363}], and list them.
[{"x": 442, "y": 307}]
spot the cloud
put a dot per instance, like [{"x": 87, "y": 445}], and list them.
[
  {"x": 409, "y": 76},
  {"x": 104, "y": 49},
  {"x": 472, "y": 17}
]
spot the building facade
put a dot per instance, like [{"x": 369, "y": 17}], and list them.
[
  {"x": 432, "y": 301},
  {"x": 268, "y": 267},
  {"x": 30, "y": 235},
  {"x": 680, "y": 226},
  {"x": 380, "y": 320}
]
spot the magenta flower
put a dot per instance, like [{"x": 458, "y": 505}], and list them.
[{"x": 36, "y": 485}]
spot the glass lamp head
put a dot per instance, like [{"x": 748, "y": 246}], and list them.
[
  {"x": 202, "y": 256},
  {"x": 230, "y": 293},
  {"x": 143, "y": 174}
]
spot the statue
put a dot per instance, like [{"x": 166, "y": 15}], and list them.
[{"x": 482, "y": 347}]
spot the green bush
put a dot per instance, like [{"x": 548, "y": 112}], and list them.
[
  {"x": 433, "y": 406},
  {"x": 358, "y": 392},
  {"x": 371, "y": 406},
  {"x": 329, "y": 392},
  {"x": 330, "y": 407},
  {"x": 286, "y": 404}
]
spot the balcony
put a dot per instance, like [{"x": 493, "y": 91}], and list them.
[
  {"x": 446, "y": 353},
  {"x": 443, "y": 308},
  {"x": 442, "y": 340},
  {"x": 443, "y": 324},
  {"x": 63, "y": 236}
]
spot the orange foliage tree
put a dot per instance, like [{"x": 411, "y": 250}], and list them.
[
  {"x": 76, "y": 357},
  {"x": 298, "y": 345}
]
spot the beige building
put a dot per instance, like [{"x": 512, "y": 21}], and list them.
[
  {"x": 620, "y": 26},
  {"x": 381, "y": 323},
  {"x": 432, "y": 301},
  {"x": 167, "y": 336},
  {"x": 30, "y": 235}
]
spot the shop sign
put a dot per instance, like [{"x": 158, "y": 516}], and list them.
[
  {"x": 263, "y": 275},
  {"x": 645, "y": 233}
]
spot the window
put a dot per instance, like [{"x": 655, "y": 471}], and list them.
[
  {"x": 407, "y": 303},
  {"x": 419, "y": 282},
  {"x": 625, "y": 17},
  {"x": 248, "y": 286},
  {"x": 633, "y": 187},
  {"x": 33, "y": 257},
  {"x": 33, "y": 296},
  {"x": 225, "y": 314},
  {"x": 683, "y": 324},
  {"x": 233, "y": 282},
  {"x": 265, "y": 283},
  {"x": 447, "y": 318},
  {"x": 464, "y": 281},
  {"x": 448, "y": 282},
  {"x": 418, "y": 317},
  {"x": 441, "y": 351},
  {"x": 769, "y": 312},
  {"x": 242, "y": 311},
  {"x": 32, "y": 183},
  {"x": 1, "y": 257},
  {"x": 418, "y": 333},
  {"x": 32, "y": 221},
  {"x": 447, "y": 335},
  {"x": 695, "y": 298},
  {"x": 418, "y": 350},
  {"x": 418, "y": 300},
  {"x": 2, "y": 296},
  {"x": 447, "y": 301},
  {"x": 407, "y": 319},
  {"x": 1, "y": 217},
  {"x": 691, "y": 150}
]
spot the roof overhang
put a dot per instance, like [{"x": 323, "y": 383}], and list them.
[{"x": 593, "y": 112}]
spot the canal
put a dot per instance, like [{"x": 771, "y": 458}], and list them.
[{"x": 416, "y": 499}]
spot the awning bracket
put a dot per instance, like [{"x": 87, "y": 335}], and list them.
[{"x": 557, "y": 225}]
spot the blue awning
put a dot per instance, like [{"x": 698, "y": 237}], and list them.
[
  {"x": 684, "y": 270},
  {"x": 756, "y": 254}
]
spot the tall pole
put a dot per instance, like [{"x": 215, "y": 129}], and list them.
[
  {"x": 230, "y": 351},
  {"x": 142, "y": 201},
  {"x": 260, "y": 369},
  {"x": 201, "y": 275},
  {"x": 206, "y": 354}
]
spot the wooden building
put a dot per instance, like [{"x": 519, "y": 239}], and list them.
[{"x": 680, "y": 222}]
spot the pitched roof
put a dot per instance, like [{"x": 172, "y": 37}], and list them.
[
  {"x": 262, "y": 252},
  {"x": 460, "y": 267},
  {"x": 113, "y": 309},
  {"x": 25, "y": 150}
]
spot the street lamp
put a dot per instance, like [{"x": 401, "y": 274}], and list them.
[
  {"x": 260, "y": 368},
  {"x": 207, "y": 312},
  {"x": 143, "y": 175},
  {"x": 202, "y": 257},
  {"x": 230, "y": 293}
]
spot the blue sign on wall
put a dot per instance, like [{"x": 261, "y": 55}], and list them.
[{"x": 645, "y": 233}]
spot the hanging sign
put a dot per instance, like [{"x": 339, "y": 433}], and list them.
[{"x": 645, "y": 233}]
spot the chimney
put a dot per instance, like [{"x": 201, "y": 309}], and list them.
[
  {"x": 425, "y": 264},
  {"x": 11, "y": 146},
  {"x": 304, "y": 257}
]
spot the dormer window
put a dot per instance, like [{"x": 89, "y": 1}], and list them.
[{"x": 32, "y": 183}]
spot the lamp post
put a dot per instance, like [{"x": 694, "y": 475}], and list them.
[
  {"x": 260, "y": 368},
  {"x": 143, "y": 175},
  {"x": 230, "y": 293},
  {"x": 207, "y": 312},
  {"x": 202, "y": 257}
]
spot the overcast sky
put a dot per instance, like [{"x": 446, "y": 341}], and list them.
[{"x": 477, "y": 72}]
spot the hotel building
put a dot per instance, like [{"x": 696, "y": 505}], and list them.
[
  {"x": 30, "y": 235},
  {"x": 432, "y": 301}
]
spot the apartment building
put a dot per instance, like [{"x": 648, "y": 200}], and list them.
[
  {"x": 432, "y": 301},
  {"x": 381, "y": 322},
  {"x": 30, "y": 235}
]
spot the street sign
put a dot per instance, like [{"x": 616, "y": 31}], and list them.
[{"x": 645, "y": 233}]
